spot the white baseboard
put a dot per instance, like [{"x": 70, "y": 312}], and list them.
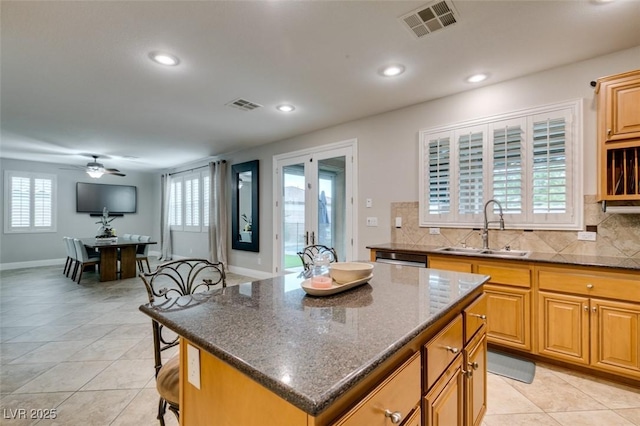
[
  {"x": 32, "y": 264},
  {"x": 239, "y": 270}
]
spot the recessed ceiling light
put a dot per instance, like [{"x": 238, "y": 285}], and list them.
[
  {"x": 164, "y": 58},
  {"x": 285, "y": 108},
  {"x": 477, "y": 78},
  {"x": 392, "y": 70}
]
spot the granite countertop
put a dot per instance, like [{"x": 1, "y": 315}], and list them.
[
  {"x": 310, "y": 350},
  {"x": 566, "y": 259}
]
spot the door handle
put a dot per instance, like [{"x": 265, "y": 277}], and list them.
[
  {"x": 306, "y": 238},
  {"x": 313, "y": 237}
]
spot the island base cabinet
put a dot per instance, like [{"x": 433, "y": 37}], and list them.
[
  {"x": 476, "y": 380},
  {"x": 615, "y": 342},
  {"x": 509, "y": 316},
  {"x": 444, "y": 404}
]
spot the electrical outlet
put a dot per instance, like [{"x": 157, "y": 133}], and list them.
[
  {"x": 434, "y": 231},
  {"x": 398, "y": 222},
  {"x": 369, "y": 203},
  {"x": 193, "y": 365},
  {"x": 372, "y": 221},
  {"x": 586, "y": 236}
]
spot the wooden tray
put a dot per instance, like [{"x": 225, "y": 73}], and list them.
[{"x": 335, "y": 288}]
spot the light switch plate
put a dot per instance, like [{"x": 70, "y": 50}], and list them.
[
  {"x": 398, "y": 222},
  {"x": 193, "y": 365},
  {"x": 372, "y": 221},
  {"x": 369, "y": 202}
]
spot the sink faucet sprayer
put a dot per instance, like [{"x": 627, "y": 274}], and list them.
[{"x": 485, "y": 230}]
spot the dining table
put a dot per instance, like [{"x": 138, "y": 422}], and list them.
[{"x": 108, "y": 249}]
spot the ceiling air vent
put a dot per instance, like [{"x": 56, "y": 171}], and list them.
[
  {"x": 432, "y": 17},
  {"x": 243, "y": 104}
]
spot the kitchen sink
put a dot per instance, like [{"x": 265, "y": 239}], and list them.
[{"x": 516, "y": 254}]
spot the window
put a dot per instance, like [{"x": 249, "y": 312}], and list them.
[
  {"x": 529, "y": 161},
  {"x": 29, "y": 202},
  {"x": 189, "y": 202}
]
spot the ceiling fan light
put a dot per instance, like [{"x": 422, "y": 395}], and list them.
[
  {"x": 164, "y": 58},
  {"x": 95, "y": 171}
]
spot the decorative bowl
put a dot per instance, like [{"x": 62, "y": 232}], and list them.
[{"x": 346, "y": 272}]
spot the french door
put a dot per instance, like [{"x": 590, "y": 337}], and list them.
[{"x": 314, "y": 203}]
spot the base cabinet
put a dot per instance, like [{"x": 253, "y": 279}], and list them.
[
  {"x": 444, "y": 404},
  {"x": 615, "y": 336},
  {"x": 475, "y": 388},
  {"x": 509, "y": 316}
]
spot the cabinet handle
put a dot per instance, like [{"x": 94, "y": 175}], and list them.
[
  {"x": 594, "y": 309},
  {"x": 473, "y": 365},
  {"x": 468, "y": 373},
  {"x": 589, "y": 286},
  {"x": 586, "y": 308},
  {"x": 452, "y": 349},
  {"x": 395, "y": 416},
  {"x": 609, "y": 132},
  {"x": 482, "y": 317}
]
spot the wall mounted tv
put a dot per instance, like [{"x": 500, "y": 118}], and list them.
[{"x": 93, "y": 197}]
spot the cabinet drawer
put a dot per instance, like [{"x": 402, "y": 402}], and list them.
[
  {"x": 508, "y": 275},
  {"x": 399, "y": 392},
  {"x": 442, "y": 349},
  {"x": 625, "y": 287},
  {"x": 475, "y": 316},
  {"x": 449, "y": 264}
]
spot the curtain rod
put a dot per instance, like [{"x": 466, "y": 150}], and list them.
[{"x": 191, "y": 170}]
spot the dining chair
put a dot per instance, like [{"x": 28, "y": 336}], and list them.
[
  {"x": 142, "y": 252},
  {"x": 135, "y": 237},
  {"x": 126, "y": 236},
  {"x": 71, "y": 255},
  {"x": 170, "y": 280},
  {"x": 310, "y": 252},
  {"x": 84, "y": 258}
]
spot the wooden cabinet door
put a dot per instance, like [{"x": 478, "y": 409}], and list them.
[
  {"x": 623, "y": 109},
  {"x": 563, "y": 331},
  {"x": 450, "y": 264},
  {"x": 509, "y": 316},
  {"x": 615, "y": 340},
  {"x": 445, "y": 402},
  {"x": 476, "y": 380}
]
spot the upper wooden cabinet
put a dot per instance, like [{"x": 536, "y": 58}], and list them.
[{"x": 619, "y": 136}]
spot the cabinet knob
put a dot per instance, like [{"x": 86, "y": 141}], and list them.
[
  {"x": 452, "y": 349},
  {"x": 482, "y": 317},
  {"x": 589, "y": 286},
  {"x": 586, "y": 308},
  {"x": 468, "y": 373},
  {"x": 609, "y": 132},
  {"x": 395, "y": 416},
  {"x": 594, "y": 309},
  {"x": 473, "y": 365}
]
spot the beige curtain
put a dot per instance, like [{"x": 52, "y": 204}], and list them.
[
  {"x": 218, "y": 205},
  {"x": 165, "y": 227}
]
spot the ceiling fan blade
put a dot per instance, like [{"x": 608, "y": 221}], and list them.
[
  {"x": 76, "y": 168},
  {"x": 113, "y": 172}
]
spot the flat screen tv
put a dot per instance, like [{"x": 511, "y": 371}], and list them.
[{"x": 93, "y": 197}]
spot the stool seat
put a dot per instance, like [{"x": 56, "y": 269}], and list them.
[{"x": 168, "y": 380}]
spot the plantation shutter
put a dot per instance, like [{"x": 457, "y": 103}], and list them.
[
  {"x": 192, "y": 202},
  {"x": 549, "y": 166},
  {"x": 30, "y": 202},
  {"x": 438, "y": 180},
  {"x": 470, "y": 175},
  {"x": 507, "y": 174},
  {"x": 206, "y": 197},
  {"x": 20, "y": 202},
  {"x": 42, "y": 202}
]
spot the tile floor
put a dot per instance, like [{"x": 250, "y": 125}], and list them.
[{"x": 85, "y": 350}]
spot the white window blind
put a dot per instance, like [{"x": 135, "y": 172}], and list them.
[
  {"x": 206, "y": 199},
  {"x": 192, "y": 202},
  {"x": 470, "y": 172},
  {"x": 175, "y": 203},
  {"x": 508, "y": 167},
  {"x": 549, "y": 166},
  {"x": 30, "y": 202},
  {"x": 529, "y": 161},
  {"x": 438, "y": 178}
]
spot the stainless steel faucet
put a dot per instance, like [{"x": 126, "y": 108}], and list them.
[{"x": 485, "y": 230}]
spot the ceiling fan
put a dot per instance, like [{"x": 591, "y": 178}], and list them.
[{"x": 96, "y": 170}]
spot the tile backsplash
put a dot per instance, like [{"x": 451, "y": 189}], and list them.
[{"x": 618, "y": 235}]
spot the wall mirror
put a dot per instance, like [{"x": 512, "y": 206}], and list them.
[{"x": 245, "y": 222}]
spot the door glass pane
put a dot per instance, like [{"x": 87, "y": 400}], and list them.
[
  {"x": 332, "y": 206},
  {"x": 293, "y": 214}
]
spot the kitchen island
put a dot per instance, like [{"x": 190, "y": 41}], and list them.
[{"x": 270, "y": 354}]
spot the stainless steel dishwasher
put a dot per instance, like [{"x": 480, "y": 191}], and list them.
[{"x": 409, "y": 259}]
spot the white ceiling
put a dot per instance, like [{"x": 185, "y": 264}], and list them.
[{"x": 76, "y": 78}]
